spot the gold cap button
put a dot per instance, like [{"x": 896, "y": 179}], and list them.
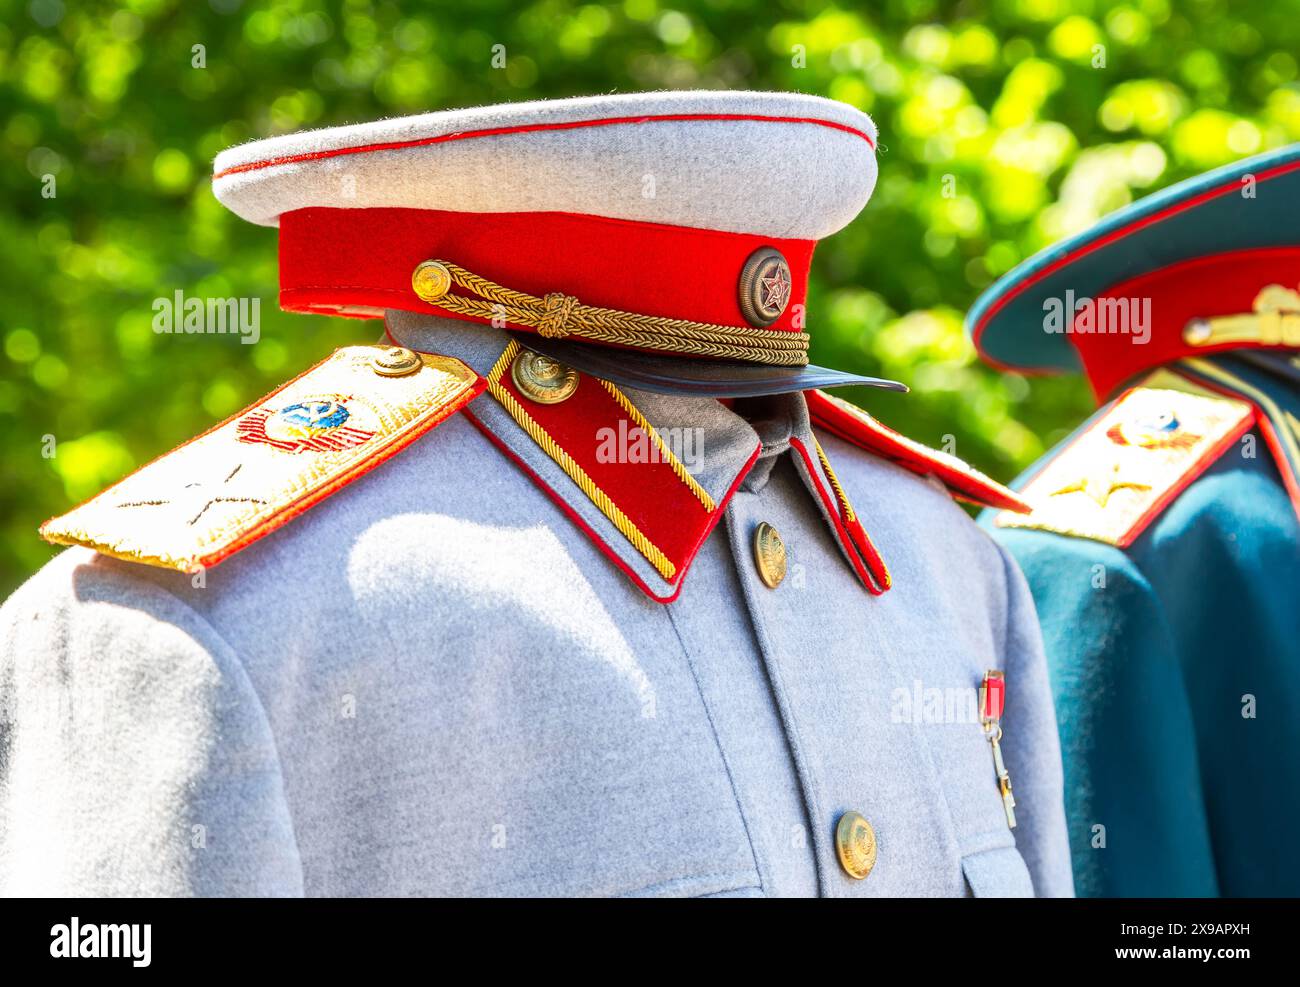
[
  {"x": 769, "y": 555},
  {"x": 395, "y": 361},
  {"x": 431, "y": 280},
  {"x": 1198, "y": 332},
  {"x": 855, "y": 842},
  {"x": 764, "y": 288},
  {"x": 542, "y": 379}
]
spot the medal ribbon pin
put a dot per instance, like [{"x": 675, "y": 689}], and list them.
[{"x": 993, "y": 696}]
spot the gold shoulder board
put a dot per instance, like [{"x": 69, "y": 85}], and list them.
[
  {"x": 1115, "y": 477},
  {"x": 242, "y": 479}
]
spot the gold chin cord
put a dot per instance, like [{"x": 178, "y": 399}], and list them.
[
  {"x": 1274, "y": 320},
  {"x": 559, "y": 316}
]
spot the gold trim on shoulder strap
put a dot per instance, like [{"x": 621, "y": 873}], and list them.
[
  {"x": 257, "y": 470},
  {"x": 1115, "y": 477}
]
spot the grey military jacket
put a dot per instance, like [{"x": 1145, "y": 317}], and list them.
[{"x": 456, "y": 676}]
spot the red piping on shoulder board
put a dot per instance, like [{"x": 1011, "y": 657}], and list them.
[
  {"x": 533, "y": 128},
  {"x": 912, "y": 456},
  {"x": 304, "y": 503},
  {"x": 1260, "y": 419}
]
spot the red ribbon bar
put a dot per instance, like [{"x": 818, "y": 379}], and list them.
[{"x": 993, "y": 696}]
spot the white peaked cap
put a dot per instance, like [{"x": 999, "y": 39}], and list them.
[{"x": 771, "y": 164}]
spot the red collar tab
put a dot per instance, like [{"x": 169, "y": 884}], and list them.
[
  {"x": 617, "y": 477},
  {"x": 1241, "y": 299},
  {"x": 620, "y": 480},
  {"x": 858, "y": 548},
  {"x": 854, "y": 425},
  {"x": 359, "y": 262}
]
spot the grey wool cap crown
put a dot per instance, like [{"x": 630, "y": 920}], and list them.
[{"x": 775, "y": 164}]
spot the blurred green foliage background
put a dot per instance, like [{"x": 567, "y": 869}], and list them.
[{"x": 1000, "y": 133}]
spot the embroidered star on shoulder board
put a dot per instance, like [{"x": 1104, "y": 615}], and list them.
[{"x": 1100, "y": 484}]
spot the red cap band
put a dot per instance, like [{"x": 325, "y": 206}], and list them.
[
  {"x": 358, "y": 262},
  {"x": 1202, "y": 288}
]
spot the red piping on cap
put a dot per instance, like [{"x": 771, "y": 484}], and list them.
[
  {"x": 533, "y": 128},
  {"x": 1232, "y": 185}
]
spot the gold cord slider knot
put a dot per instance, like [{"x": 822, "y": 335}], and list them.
[{"x": 554, "y": 321}]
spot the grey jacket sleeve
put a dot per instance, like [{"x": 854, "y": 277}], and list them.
[
  {"x": 1032, "y": 746},
  {"x": 135, "y": 757}
]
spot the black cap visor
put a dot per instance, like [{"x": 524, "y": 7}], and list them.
[{"x": 691, "y": 376}]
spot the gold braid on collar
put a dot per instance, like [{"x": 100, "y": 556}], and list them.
[{"x": 558, "y": 315}]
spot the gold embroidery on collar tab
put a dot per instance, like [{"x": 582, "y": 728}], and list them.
[
  {"x": 243, "y": 478},
  {"x": 882, "y": 579},
  {"x": 665, "y": 453},
  {"x": 849, "y": 513},
  {"x": 662, "y": 564},
  {"x": 1114, "y": 478}
]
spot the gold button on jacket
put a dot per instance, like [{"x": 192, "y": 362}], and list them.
[
  {"x": 855, "y": 842},
  {"x": 542, "y": 379},
  {"x": 769, "y": 555}
]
